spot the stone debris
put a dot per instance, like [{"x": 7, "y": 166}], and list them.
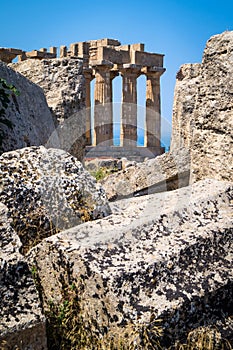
[
  {"x": 46, "y": 191},
  {"x": 164, "y": 256},
  {"x": 166, "y": 172}
]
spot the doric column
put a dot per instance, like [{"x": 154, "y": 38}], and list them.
[
  {"x": 103, "y": 118},
  {"x": 128, "y": 135},
  {"x": 88, "y": 78},
  {"x": 153, "y": 114}
]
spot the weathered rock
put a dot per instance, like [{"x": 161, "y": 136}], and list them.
[
  {"x": 29, "y": 115},
  {"x": 165, "y": 256},
  {"x": 185, "y": 95},
  {"x": 63, "y": 83},
  {"x": 108, "y": 163},
  {"x": 166, "y": 172},
  {"x": 202, "y": 114},
  {"x": 22, "y": 323},
  {"x": 47, "y": 190}
]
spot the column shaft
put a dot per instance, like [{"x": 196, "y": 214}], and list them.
[
  {"x": 88, "y": 78},
  {"x": 128, "y": 135},
  {"x": 103, "y": 119},
  {"x": 153, "y": 117}
]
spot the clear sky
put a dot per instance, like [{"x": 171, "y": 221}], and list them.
[{"x": 179, "y": 29}]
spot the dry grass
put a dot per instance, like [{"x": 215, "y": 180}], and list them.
[{"x": 204, "y": 338}]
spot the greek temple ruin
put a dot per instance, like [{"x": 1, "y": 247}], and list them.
[{"x": 103, "y": 60}]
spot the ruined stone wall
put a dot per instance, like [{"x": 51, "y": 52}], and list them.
[{"x": 202, "y": 115}]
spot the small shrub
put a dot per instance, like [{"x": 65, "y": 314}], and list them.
[{"x": 102, "y": 172}]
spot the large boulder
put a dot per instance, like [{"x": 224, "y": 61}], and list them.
[
  {"x": 30, "y": 121},
  {"x": 22, "y": 324},
  {"x": 159, "y": 264},
  {"x": 63, "y": 83},
  {"x": 48, "y": 190},
  {"x": 166, "y": 172},
  {"x": 202, "y": 114},
  {"x": 185, "y": 96}
]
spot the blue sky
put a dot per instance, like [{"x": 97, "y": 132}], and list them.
[{"x": 179, "y": 29}]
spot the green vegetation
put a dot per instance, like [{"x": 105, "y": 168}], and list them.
[
  {"x": 69, "y": 327},
  {"x": 102, "y": 172},
  {"x": 6, "y": 90}
]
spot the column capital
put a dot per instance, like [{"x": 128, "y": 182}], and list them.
[
  {"x": 153, "y": 72},
  {"x": 102, "y": 65},
  {"x": 113, "y": 74},
  {"x": 88, "y": 74},
  {"x": 130, "y": 70}
]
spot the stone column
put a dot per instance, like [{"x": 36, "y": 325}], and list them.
[
  {"x": 103, "y": 118},
  {"x": 53, "y": 50},
  {"x": 153, "y": 114},
  {"x": 88, "y": 78},
  {"x": 63, "y": 51},
  {"x": 128, "y": 135}
]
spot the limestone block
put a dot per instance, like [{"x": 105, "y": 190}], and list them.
[
  {"x": 165, "y": 256},
  {"x": 212, "y": 142},
  {"x": 48, "y": 190},
  {"x": 112, "y": 55},
  {"x": 29, "y": 115},
  {"x": 165, "y": 172},
  {"x": 185, "y": 95},
  {"x": 63, "y": 83},
  {"x": 202, "y": 112},
  {"x": 146, "y": 59}
]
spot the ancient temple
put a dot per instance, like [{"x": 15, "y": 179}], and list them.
[
  {"x": 103, "y": 60},
  {"x": 106, "y": 59}
]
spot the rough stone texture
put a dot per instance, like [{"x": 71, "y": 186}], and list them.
[
  {"x": 164, "y": 256},
  {"x": 202, "y": 114},
  {"x": 47, "y": 190},
  {"x": 108, "y": 163},
  {"x": 21, "y": 323},
  {"x": 185, "y": 95},
  {"x": 63, "y": 83},
  {"x": 166, "y": 172},
  {"x": 31, "y": 119}
]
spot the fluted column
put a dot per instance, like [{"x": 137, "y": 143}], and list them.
[
  {"x": 103, "y": 118},
  {"x": 128, "y": 135},
  {"x": 88, "y": 78},
  {"x": 153, "y": 114}
]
